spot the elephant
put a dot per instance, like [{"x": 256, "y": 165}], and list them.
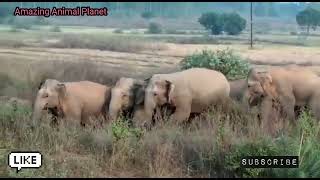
[
  {"x": 238, "y": 89},
  {"x": 127, "y": 97},
  {"x": 72, "y": 101},
  {"x": 187, "y": 91},
  {"x": 291, "y": 87}
]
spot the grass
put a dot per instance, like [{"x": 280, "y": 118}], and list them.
[{"x": 210, "y": 146}]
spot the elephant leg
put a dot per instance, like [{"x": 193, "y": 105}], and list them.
[
  {"x": 315, "y": 106},
  {"x": 181, "y": 114},
  {"x": 268, "y": 116},
  {"x": 288, "y": 103}
]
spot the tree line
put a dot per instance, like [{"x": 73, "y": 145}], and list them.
[{"x": 173, "y": 9}]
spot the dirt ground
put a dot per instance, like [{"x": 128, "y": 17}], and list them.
[{"x": 168, "y": 59}]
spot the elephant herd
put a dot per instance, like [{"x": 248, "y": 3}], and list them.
[{"x": 183, "y": 93}]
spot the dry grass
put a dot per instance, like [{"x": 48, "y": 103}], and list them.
[
  {"x": 120, "y": 44},
  {"x": 201, "y": 149}
]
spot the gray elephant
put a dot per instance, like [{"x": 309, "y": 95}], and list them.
[
  {"x": 127, "y": 98},
  {"x": 188, "y": 91},
  {"x": 72, "y": 101}
]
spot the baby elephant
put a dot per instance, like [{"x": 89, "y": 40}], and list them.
[{"x": 75, "y": 101}]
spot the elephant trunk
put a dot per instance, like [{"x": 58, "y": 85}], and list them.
[
  {"x": 114, "y": 109},
  {"x": 37, "y": 110},
  {"x": 149, "y": 106}
]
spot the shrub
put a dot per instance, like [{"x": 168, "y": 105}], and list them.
[
  {"x": 121, "y": 130},
  {"x": 154, "y": 28},
  {"x": 225, "y": 61},
  {"x": 173, "y": 31},
  {"x": 118, "y": 31},
  {"x": 40, "y": 20},
  {"x": 21, "y": 25},
  {"x": 55, "y": 29},
  {"x": 147, "y": 15},
  {"x": 293, "y": 33}
]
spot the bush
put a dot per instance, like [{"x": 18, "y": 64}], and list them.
[
  {"x": 55, "y": 29},
  {"x": 225, "y": 61},
  {"x": 122, "y": 130},
  {"x": 118, "y": 31},
  {"x": 154, "y": 28},
  {"x": 233, "y": 23},
  {"x": 40, "y": 20},
  {"x": 293, "y": 33},
  {"x": 147, "y": 15},
  {"x": 173, "y": 31},
  {"x": 21, "y": 25}
]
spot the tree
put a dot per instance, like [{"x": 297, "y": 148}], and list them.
[
  {"x": 233, "y": 23},
  {"x": 212, "y": 21},
  {"x": 308, "y": 18},
  {"x": 147, "y": 15}
]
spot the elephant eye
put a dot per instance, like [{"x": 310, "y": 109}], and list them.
[{"x": 155, "y": 94}]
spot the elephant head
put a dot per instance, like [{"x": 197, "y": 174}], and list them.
[
  {"x": 48, "y": 98},
  {"x": 260, "y": 85},
  {"x": 158, "y": 93},
  {"x": 125, "y": 95}
]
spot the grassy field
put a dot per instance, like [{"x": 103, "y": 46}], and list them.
[{"x": 210, "y": 146}]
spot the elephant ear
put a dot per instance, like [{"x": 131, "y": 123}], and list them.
[
  {"x": 61, "y": 89},
  {"x": 169, "y": 89},
  {"x": 252, "y": 75},
  {"x": 41, "y": 84},
  {"x": 138, "y": 90}
]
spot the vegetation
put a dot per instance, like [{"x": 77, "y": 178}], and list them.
[
  {"x": 154, "y": 28},
  {"x": 55, "y": 29},
  {"x": 110, "y": 43},
  {"x": 211, "y": 146},
  {"x": 309, "y": 18},
  {"x": 225, "y": 61},
  {"x": 232, "y": 23},
  {"x": 212, "y": 21},
  {"x": 147, "y": 15}
]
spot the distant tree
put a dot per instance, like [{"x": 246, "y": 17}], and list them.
[
  {"x": 309, "y": 18},
  {"x": 147, "y": 15},
  {"x": 212, "y": 21},
  {"x": 233, "y": 23}
]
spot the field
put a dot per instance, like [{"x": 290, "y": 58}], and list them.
[{"x": 210, "y": 147}]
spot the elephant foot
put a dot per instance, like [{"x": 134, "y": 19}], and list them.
[{"x": 147, "y": 126}]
